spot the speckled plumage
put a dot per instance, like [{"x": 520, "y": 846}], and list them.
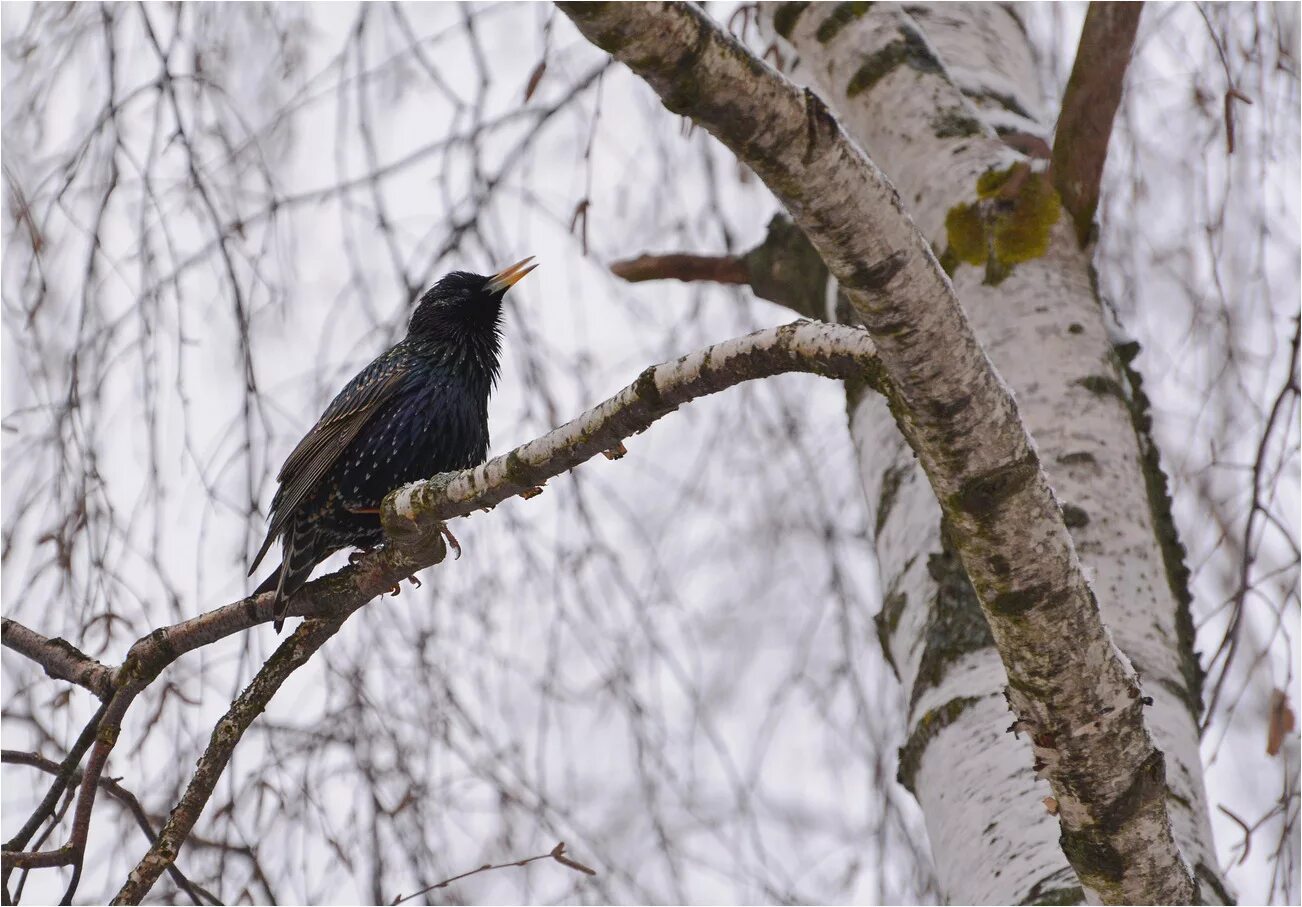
[{"x": 419, "y": 409}]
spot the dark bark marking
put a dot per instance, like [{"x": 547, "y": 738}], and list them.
[
  {"x": 1016, "y": 602},
  {"x": 1087, "y": 848},
  {"x": 910, "y": 49},
  {"x": 929, "y": 725},
  {"x": 980, "y": 496},
  {"x": 841, "y": 16},
  {"x": 785, "y": 17},
  {"x": 819, "y": 123},
  {"x": 956, "y": 624},
  {"x": 877, "y": 277},
  {"x": 892, "y": 479},
  {"x": 1075, "y": 517}
]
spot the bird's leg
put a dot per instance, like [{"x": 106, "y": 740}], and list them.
[{"x": 451, "y": 540}]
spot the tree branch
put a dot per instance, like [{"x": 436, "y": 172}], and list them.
[
  {"x": 293, "y": 653},
  {"x": 831, "y": 350},
  {"x": 1073, "y": 692},
  {"x": 63, "y": 778},
  {"x": 195, "y": 892},
  {"x": 557, "y": 853},
  {"x": 785, "y": 268},
  {"x": 682, "y": 266},
  {"x": 59, "y": 658},
  {"x": 1080, "y": 144},
  {"x": 413, "y": 517}
]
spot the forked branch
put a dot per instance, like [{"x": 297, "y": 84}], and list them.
[{"x": 413, "y": 518}]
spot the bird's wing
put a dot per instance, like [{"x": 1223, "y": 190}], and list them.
[{"x": 321, "y": 447}]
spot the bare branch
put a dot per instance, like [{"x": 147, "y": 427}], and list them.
[
  {"x": 413, "y": 518},
  {"x": 59, "y": 658},
  {"x": 293, "y": 653},
  {"x": 834, "y": 351},
  {"x": 557, "y": 853},
  {"x": 195, "y": 892},
  {"x": 785, "y": 268},
  {"x": 63, "y": 778},
  {"x": 1080, "y": 144},
  {"x": 683, "y": 266}
]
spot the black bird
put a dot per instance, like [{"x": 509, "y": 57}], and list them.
[{"x": 419, "y": 409}]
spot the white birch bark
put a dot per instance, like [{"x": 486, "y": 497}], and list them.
[
  {"x": 1068, "y": 684},
  {"x": 932, "y": 131}
]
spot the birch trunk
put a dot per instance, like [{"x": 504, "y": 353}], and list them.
[{"x": 926, "y": 90}]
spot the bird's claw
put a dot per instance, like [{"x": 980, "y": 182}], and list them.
[
  {"x": 451, "y": 540},
  {"x": 530, "y": 493},
  {"x": 397, "y": 587}
]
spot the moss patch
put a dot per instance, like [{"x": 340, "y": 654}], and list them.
[
  {"x": 910, "y": 49},
  {"x": 842, "y": 15},
  {"x": 1023, "y": 234},
  {"x": 1010, "y": 223},
  {"x": 966, "y": 231}
]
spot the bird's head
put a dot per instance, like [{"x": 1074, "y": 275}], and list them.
[{"x": 461, "y": 312}]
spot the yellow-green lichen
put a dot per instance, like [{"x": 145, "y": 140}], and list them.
[
  {"x": 993, "y": 180},
  {"x": 1010, "y": 223},
  {"x": 1023, "y": 234},
  {"x": 965, "y": 229}
]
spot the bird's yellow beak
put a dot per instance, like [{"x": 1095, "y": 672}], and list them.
[{"x": 509, "y": 276}]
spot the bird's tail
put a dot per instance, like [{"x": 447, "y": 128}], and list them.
[{"x": 300, "y": 557}]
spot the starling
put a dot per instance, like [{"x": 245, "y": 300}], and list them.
[{"x": 419, "y": 409}]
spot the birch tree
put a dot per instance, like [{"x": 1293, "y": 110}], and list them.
[{"x": 987, "y": 686}]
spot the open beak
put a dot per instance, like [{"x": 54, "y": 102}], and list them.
[{"x": 509, "y": 276}]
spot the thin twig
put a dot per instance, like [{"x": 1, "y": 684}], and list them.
[
  {"x": 557, "y": 853},
  {"x": 195, "y": 892}
]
